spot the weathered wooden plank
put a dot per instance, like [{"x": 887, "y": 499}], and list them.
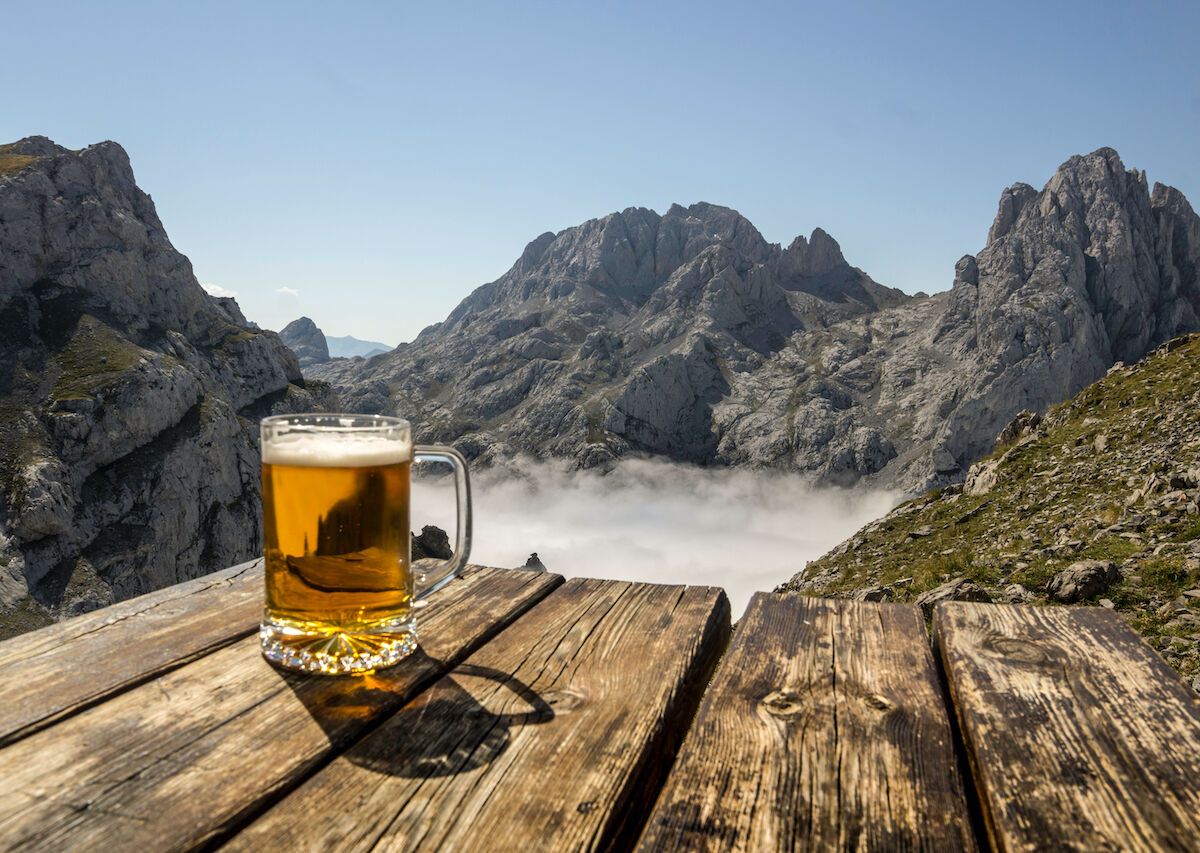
[
  {"x": 176, "y": 761},
  {"x": 546, "y": 739},
  {"x": 824, "y": 728},
  {"x": 1079, "y": 736},
  {"x": 76, "y": 663}
]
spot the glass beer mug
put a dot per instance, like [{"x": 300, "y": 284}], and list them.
[{"x": 341, "y": 592}]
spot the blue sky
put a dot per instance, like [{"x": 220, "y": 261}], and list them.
[{"x": 368, "y": 164}]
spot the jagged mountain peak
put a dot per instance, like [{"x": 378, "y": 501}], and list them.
[
  {"x": 1166, "y": 196},
  {"x": 306, "y": 340},
  {"x": 34, "y": 146},
  {"x": 611, "y": 265},
  {"x": 1103, "y": 158},
  {"x": 1080, "y": 181},
  {"x": 688, "y": 334},
  {"x": 819, "y": 254},
  {"x": 1012, "y": 202},
  {"x": 46, "y": 152}
]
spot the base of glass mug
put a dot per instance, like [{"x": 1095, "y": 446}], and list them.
[{"x": 329, "y": 650}]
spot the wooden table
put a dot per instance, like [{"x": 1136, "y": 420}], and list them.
[{"x": 543, "y": 714}]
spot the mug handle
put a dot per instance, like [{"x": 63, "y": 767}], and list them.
[{"x": 429, "y": 582}]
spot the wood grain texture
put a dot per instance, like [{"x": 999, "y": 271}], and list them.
[
  {"x": 824, "y": 728},
  {"x": 177, "y": 761},
  {"x": 544, "y": 740},
  {"x": 1079, "y": 735},
  {"x": 66, "y": 667}
]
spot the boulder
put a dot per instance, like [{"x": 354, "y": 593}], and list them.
[
  {"x": 1085, "y": 579},
  {"x": 1020, "y": 429},
  {"x": 982, "y": 477},
  {"x": 534, "y": 564},
  {"x": 959, "y": 589},
  {"x": 1016, "y": 593},
  {"x": 433, "y": 543},
  {"x": 872, "y": 593}
]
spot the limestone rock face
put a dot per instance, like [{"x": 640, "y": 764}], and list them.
[
  {"x": 687, "y": 335},
  {"x": 631, "y": 334},
  {"x": 129, "y": 397},
  {"x": 303, "y": 338}
]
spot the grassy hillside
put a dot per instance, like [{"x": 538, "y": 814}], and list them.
[
  {"x": 1114, "y": 474},
  {"x": 10, "y": 162}
]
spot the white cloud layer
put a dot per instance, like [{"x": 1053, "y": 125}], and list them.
[
  {"x": 287, "y": 291},
  {"x": 654, "y": 521},
  {"x": 217, "y": 290}
]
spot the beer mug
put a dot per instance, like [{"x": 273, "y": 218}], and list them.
[{"x": 341, "y": 593}]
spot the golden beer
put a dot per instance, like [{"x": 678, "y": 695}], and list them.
[
  {"x": 339, "y": 592},
  {"x": 336, "y": 549},
  {"x": 340, "y": 589}
]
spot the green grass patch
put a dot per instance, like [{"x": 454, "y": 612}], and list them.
[
  {"x": 239, "y": 337},
  {"x": 94, "y": 357},
  {"x": 11, "y": 162},
  {"x": 26, "y": 616}
]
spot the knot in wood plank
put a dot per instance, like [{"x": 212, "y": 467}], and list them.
[
  {"x": 782, "y": 703},
  {"x": 567, "y": 699},
  {"x": 878, "y": 702},
  {"x": 1016, "y": 650}
]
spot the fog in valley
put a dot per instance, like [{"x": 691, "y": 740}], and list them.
[{"x": 654, "y": 521}]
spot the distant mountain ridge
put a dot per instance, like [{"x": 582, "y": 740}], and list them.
[
  {"x": 687, "y": 335},
  {"x": 348, "y": 346}
]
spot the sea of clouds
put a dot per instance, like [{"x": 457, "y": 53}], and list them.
[{"x": 654, "y": 521}]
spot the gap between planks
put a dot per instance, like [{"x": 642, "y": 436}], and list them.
[{"x": 823, "y": 728}]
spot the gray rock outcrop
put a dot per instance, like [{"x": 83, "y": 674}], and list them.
[
  {"x": 959, "y": 589},
  {"x": 432, "y": 543},
  {"x": 129, "y": 397},
  {"x": 687, "y": 335},
  {"x": 1081, "y": 580},
  {"x": 534, "y": 564},
  {"x": 303, "y": 338},
  {"x": 348, "y": 346}
]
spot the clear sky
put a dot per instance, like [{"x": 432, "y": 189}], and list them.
[{"x": 368, "y": 164}]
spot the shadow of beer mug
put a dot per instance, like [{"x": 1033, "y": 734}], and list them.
[{"x": 461, "y": 723}]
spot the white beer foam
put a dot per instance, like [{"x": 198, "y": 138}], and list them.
[{"x": 335, "y": 450}]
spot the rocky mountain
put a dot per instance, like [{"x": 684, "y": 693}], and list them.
[
  {"x": 1097, "y": 502},
  {"x": 348, "y": 346},
  {"x": 312, "y": 346},
  {"x": 129, "y": 397},
  {"x": 688, "y": 335},
  {"x": 303, "y": 338}
]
